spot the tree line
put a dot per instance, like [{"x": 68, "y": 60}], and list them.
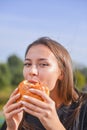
[{"x": 11, "y": 73}]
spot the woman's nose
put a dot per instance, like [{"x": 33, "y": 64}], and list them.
[{"x": 33, "y": 70}]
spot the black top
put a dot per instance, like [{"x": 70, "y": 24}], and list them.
[{"x": 65, "y": 114}]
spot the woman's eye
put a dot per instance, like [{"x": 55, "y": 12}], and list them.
[
  {"x": 43, "y": 64},
  {"x": 27, "y": 64}
]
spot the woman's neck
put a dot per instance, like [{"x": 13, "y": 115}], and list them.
[{"x": 54, "y": 96}]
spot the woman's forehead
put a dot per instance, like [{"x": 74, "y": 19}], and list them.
[{"x": 40, "y": 51}]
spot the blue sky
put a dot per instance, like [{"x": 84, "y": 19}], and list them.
[{"x": 23, "y": 21}]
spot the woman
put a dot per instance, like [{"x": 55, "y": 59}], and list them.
[{"x": 49, "y": 62}]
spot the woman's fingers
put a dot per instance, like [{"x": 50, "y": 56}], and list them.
[
  {"x": 12, "y": 110},
  {"x": 35, "y": 101},
  {"x": 42, "y": 111},
  {"x": 12, "y": 107},
  {"x": 36, "y": 107},
  {"x": 13, "y": 113},
  {"x": 42, "y": 94}
]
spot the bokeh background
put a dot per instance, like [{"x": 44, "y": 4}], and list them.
[{"x": 23, "y": 21}]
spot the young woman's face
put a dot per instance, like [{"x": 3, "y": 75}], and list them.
[{"x": 41, "y": 65}]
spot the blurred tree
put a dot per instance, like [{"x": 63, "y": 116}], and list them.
[
  {"x": 5, "y": 77},
  {"x": 80, "y": 79},
  {"x": 84, "y": 72},
  {"x": 16, "y": 67}
]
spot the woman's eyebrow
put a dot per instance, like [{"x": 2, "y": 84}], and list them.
[
  {"x": 40, "y": 59},
  {"x": 27, "y": 59}
]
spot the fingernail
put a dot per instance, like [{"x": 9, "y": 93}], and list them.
[
  {"x": 31, "y": 89},
  {"x": 25, "y": 96},
  {"x": 18, "y": 94}
]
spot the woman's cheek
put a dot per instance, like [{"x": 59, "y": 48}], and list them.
[
  {"x": 24, "y": 72},
  {"x": 44, "y": 77}
]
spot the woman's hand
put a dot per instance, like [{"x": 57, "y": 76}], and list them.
[
  {"x": 44, "y": 111},
  {"x": 13, "y": 112}
]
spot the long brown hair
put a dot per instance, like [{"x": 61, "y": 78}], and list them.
[{"x": 66, "y": 89}]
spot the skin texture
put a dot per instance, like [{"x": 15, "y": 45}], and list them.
[{"x": 40, "y": 65}]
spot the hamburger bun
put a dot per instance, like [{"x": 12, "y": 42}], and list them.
[{"x": 24, "y": 86}]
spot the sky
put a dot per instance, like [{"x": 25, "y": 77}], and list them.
[{"x": 23, "y": 21}]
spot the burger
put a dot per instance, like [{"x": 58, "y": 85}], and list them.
[{"x": 24, "y": 86}]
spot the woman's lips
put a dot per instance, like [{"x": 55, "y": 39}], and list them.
[{"x": 33, "y": 81}]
